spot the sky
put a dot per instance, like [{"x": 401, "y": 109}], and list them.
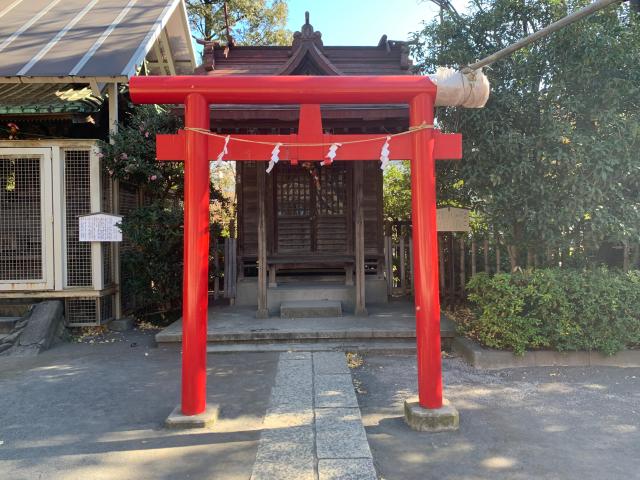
[{"x": 362, "y": 22}]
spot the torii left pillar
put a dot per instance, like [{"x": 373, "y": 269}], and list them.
[{"x": 193, "y": 411}]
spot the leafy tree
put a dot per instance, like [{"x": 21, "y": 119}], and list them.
[
  {"x": 252, "y": 22},
  {"x": 130, "y": 157},
  {"x": 152, "y": 260},
  {"x": 551, "y": 163},
  {"x": 397, "y": 191}
]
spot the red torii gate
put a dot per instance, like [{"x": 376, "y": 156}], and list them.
[{"x": 197, "y": 149}]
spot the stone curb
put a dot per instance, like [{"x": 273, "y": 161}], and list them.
[{"x": 480, "y": 357}]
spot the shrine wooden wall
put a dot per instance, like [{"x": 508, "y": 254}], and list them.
[{"x": 334, "y": 235}]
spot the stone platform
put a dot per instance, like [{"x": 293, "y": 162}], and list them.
[{"x": 388, "y": 326}]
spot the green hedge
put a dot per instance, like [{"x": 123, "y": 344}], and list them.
[{"x": 556, "y": 309}]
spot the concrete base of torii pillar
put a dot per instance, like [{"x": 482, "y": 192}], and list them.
[
  {"x": 178, "y": 420},
  {"x": 431, "y": 419}
]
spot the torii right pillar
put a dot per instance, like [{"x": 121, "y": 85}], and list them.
[{"x": 430, "y": 412}]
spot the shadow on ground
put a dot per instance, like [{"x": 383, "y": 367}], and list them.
[
  {"x": 551, "y": 423},
  {"x": 96, "y": 411}
]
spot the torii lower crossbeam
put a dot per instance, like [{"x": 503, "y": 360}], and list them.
[{"x": 197, "y": 149}]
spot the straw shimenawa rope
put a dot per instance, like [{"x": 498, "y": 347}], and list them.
[{"x": 203, "y": 131}]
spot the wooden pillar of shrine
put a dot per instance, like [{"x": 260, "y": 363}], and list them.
[
  {"x": 263, "y": 311},
  {"x": 358, "y": 183}
]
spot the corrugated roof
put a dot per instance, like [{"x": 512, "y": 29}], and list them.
[
  {"x": 40, "y": 98},
  {"x": 83, "y": 39}
]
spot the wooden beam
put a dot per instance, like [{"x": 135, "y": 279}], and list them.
[
  {"x": 171, "y": 147},
  {"x": 161, "y": 63},
  {"x": 473, "y": 257},
  {"x": 112, "y": 93},
  {"x": 388, "y": 258},
  {"x": 358, "y": 180},
  {"x": 403, "y": 260},
  {"x": 463, "y": 273},
  {"x": 168, "y": 52},
  {"x": 441, "y": 270},
  {"x": 263, "y": 311}
]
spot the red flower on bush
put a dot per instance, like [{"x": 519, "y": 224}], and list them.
[{"x": 13, "y": 130}]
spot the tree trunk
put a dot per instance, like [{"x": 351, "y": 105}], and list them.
[
  {"x": 497, "y": 240},
  {"x": 512, "y": 251},
  {"x": 485, "y": 251},
  {"x": 625, "y": 256},
  {"x": 636, "y": 256}
]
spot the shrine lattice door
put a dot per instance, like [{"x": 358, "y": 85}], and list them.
[{"x": 312, "y": 209}]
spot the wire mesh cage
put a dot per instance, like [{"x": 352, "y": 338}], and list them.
[
  {"x": 77, "y": 182},
  {"x": 89, "y": 311},
  {"x": 45, "y": 187},
  {"x": 106, "y": 308},
  {"x": 20, "y": 218}
]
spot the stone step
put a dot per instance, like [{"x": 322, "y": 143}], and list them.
[
  {"x": 277, "y": 330},
  {"x": 7, "y": 324},
  {"x": 395, "y": 347},
  {"x": 310, "y": 308}
]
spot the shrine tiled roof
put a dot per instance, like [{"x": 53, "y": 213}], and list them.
[{"x": 307, "y": 56}]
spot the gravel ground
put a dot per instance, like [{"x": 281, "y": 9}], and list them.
[{"x": 551, "y": 423}]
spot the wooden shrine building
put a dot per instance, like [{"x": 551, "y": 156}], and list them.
[{"x": 320, "y": 222}]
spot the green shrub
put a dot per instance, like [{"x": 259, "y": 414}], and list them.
[
  {"x": 152, "y": 262},
  {"x": 557, "y": 309}
]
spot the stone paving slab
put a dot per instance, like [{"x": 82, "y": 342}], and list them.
[
  {"x": 313, "y": 428},
  {"x": 340, "y": 434},
  {"x": 300, "y": 470},
  {"x": 295, "y": 375},
  {"x": 330, "y": 363},
  {"x": 288, "y": 445},
  {"x": 347, "y": 469},
  {"x": 286, "y": 448},
  {"x": 300, "y": 398},
  {"x": 334, "y": 391}
]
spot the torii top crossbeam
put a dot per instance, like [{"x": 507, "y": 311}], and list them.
[
  {"x": 282, "y": 90},
  {"x": 196, "y": 147}
]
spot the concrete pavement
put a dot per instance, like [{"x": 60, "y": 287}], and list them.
[
  {"x": 95, "y": 411},
  {"x": 559, "y": 423}
]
